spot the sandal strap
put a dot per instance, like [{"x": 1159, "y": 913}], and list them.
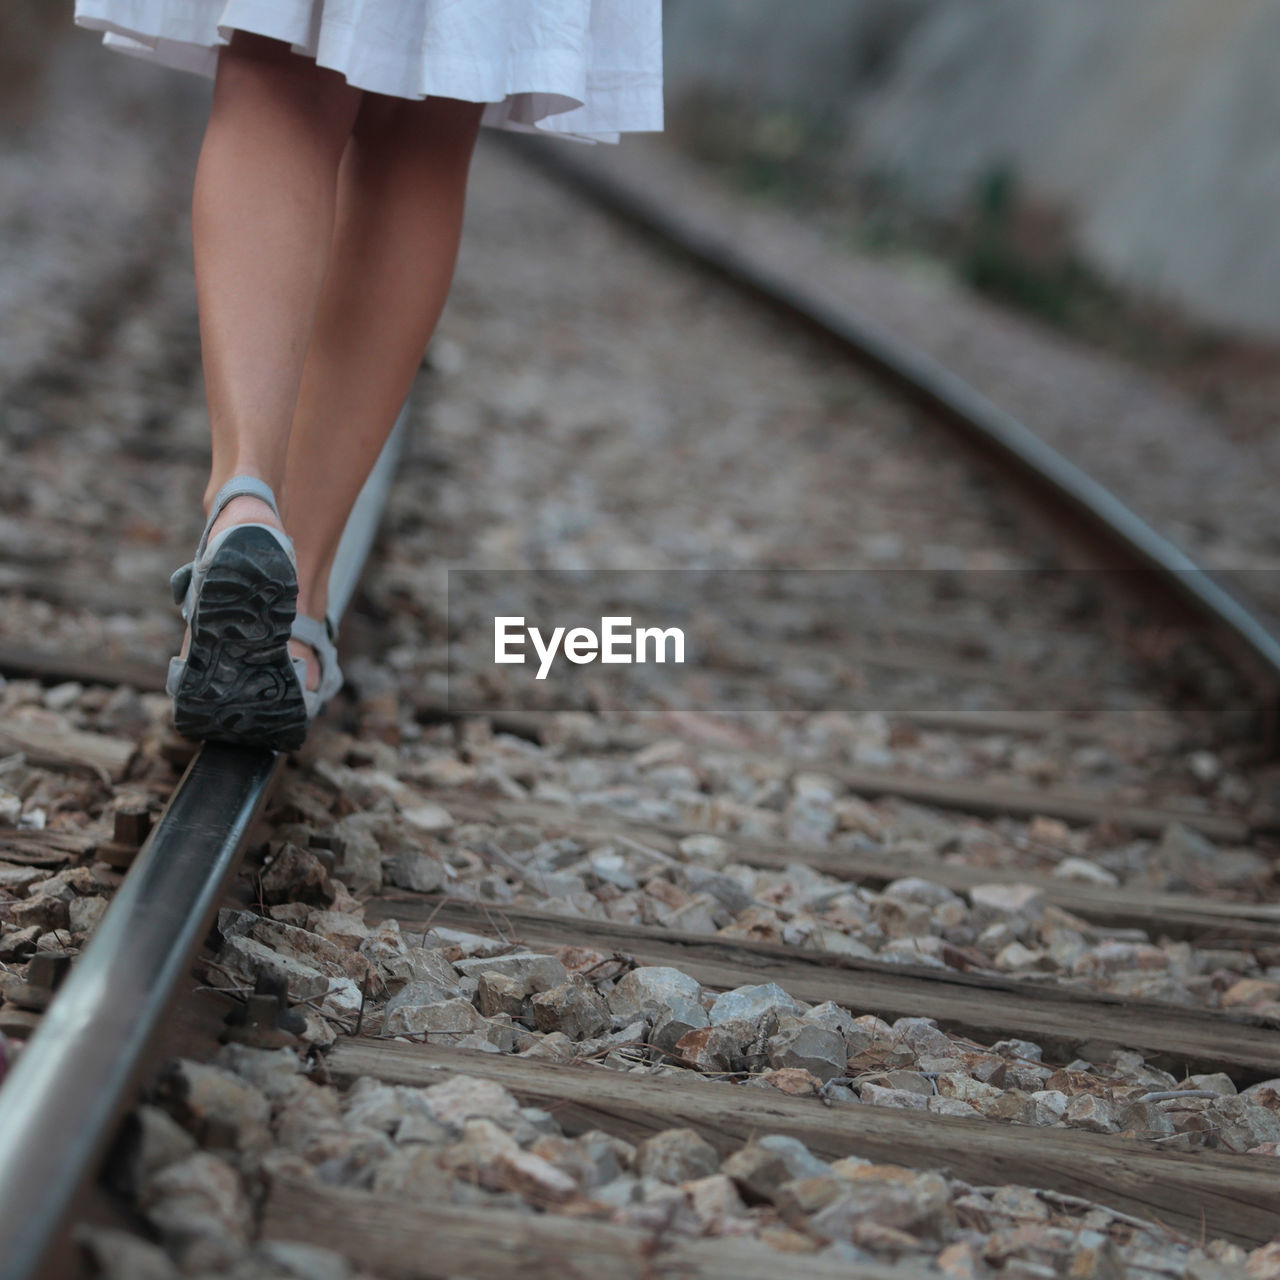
[
  {"x": 244, "y": 487},
  {"x": 180, "y": 583},
  {"x": 313, "y": 631},
  {"x": 236, "y": 487},
  {"x": 184, "y": 582},
  {"x": 319, "y": 634},
  {"x": 173, "y": 680}
]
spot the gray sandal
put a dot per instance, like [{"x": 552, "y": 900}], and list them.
[
  {"x": 238, "y": 682},
  {"x": 320, "y": 636}
]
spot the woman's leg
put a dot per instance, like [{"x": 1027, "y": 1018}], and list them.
[
  {"x": 262, "y": 224},
  {"x": 399, "y": 217}
]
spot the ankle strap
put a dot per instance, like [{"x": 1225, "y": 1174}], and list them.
[
  {"x": 317, "y": 632},
  {"x": 243, "y": 487},
  {"x": 320, "y": 635},
  {"x": 236, "y": 487}
]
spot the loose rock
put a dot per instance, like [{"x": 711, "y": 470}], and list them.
[{"x": 676, "y": 1155}]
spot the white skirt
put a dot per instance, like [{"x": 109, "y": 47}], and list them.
[{"x": 589, "y": 69}]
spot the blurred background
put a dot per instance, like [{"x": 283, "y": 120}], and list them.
[
  {"x": 1142, "y": 137},
  {"x": 1113, "y": 169},
  {"x": 1109, "y": 170},
  {"x": 1072, "y": 205}
]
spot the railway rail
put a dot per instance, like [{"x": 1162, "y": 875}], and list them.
[
  {"x": 63, "y": 1099},
  {"x": 553, "y": 1048}
]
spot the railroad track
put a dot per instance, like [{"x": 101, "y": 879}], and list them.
[{"x": 1046, "y": 1004}]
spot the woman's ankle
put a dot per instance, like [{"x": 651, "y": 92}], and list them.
[{"x": 244, "y": 510}]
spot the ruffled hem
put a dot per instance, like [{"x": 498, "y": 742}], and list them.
[{"x": 563, "y": 88}]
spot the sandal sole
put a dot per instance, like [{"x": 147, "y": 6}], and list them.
[{"x": 239, "y": 685}]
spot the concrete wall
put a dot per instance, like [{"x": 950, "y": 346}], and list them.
[{"x": 1156, "y": 122}]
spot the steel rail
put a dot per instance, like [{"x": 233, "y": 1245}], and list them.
[
  {"x": 60, "y": 1104},
  {"x": 1250, "y": 632}
]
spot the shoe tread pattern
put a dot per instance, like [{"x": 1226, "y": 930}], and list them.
[{"x": 239, "y": 685}]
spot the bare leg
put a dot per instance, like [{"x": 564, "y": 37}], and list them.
[
  {"x": 401, "y": 191},
  {"x": 262, "y": 222}
]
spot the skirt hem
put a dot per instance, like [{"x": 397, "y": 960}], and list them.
[{"x": 546, "y": 91}]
